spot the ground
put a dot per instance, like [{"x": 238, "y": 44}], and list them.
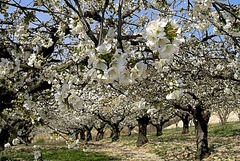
[{"x": 224, "y": 142}]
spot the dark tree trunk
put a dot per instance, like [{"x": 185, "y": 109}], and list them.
[
  {"x": 89, "y": 134},
  {"x": 159, "y": 128},
  {"x": 4, "y": 135},
  {"x": 77, "y": 135},
  {"x": 201, "y": 132},
  {"x": 185, "y": 121},
  {"x": 201, "y": 119},
  {"x": 142, "y": 133},
  {"x": 185, "y": 129},
  {"x": 82, "y": 134},
  {"x": 100, "y": 134},
  {"x": 115, "y": 133}
]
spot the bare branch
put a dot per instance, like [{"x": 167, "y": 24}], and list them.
[
  {"x": 83, "y": 20},
  {"x": 130, "y": 12},
  {"x": 119, "y": 37},
  {"x": 102, "y": 20}
]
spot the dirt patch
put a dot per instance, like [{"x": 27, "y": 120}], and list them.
[
  {"x": 125, "y": 153},
  {"x": 172, "y": 146}
]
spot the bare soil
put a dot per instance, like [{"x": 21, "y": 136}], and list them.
[{"x": 170, "y": 147}]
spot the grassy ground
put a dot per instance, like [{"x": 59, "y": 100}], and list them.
[
  {"x": 224, "y": 142},
  {"x": 55, "y": 155},
  {"x": 53, "y": 151}
]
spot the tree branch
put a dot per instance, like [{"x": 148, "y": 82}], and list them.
[
  {"x": 119, "y": 37},
  {"x": 83, "y": 20},
  {"x": 102, "y": 21}
]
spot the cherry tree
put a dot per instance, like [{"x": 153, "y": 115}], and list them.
[
  {"x": 185, "y": 118},
  {"x": 160, "y": 115},
  {"x": 99, "y": 125},
  {"x": 52, "y": 48},
  {"x": 108, "y": 104},
  {"x": 130, "y": 122}
]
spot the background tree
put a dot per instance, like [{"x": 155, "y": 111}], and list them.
[{"x": 117, "y": 42}]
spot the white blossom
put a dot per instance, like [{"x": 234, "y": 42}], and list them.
[
  {"x": 104, "y": 48},
  {"x": 8, "y": 145},
  {"x": 15, "y": 141},
  {"x": 175, "y": 95}
]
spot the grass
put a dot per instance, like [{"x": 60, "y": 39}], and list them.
[
  {"x": 228, "y": 130},
  {"x": 40, "y": 141},
  {"x": 54, "y": 155},
  {"x": 172, "y": 144},
  {"x": 75, "y": 155}
]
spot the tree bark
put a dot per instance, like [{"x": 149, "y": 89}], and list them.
[
  {"x": 185, "y": 120},
  {"x": 115, "y": 133},
  {"x": 89, "y": 134},
  {"x": 142, "y": 133},
  {"x": 222, "y": 117},
  {"x": 82, "y": 134},
  {"x": 4, "y": 135},
  {"x": 100, "y": 134},
  {"x": 185, "y": 129},
  {"x": 201, "y": 132},
  {"x": 159, "y": 128}
]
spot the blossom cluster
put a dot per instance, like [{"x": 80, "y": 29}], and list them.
[
  {"x": 175, "y": 95},
  {"x": 8, "y": 68},
  {"x": 69, "y": 94},
  {"x": 163, "y": 38},
  {"x": 109, "y": 64},
  {"x": 34, "y": 60}
]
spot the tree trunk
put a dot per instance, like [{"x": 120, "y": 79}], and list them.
[
  {"x": 201, "y": 132},
  {"x": 82, "y": 134},
  {"x": 222, "y": 117},
  {"x": 100, "y": 134},
  {"x": 4, "y": 135},
  {"x": 89, "y": 134},
  {"x": 76, "y": 134},
  {"x": 159, "y": 128},
  {"x": 142, "y": 133},
  {"x": 185, "y": 121},
  {"x": 185, "y": 129},
  {"x": 115, "y": 133}
]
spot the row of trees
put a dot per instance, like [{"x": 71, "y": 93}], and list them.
[{"x": 118, "y": 59}]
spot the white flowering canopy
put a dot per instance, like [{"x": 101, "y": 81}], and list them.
[{"x": 50, "y": 50}]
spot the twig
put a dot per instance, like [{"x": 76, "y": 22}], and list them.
[
  {"x": 119, "y": 37},
  {"x": 102, "y": 20}
]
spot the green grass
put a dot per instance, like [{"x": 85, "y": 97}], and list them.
[
  {"x": 228, "y": 130},
  {"x": 75, "y": 155},
  {"x": 40, "y": 141},
  {"x": 162, "y": 150},
  {"x": 171, "y": 140},
  {"x": 175, "y": 142},
  {"x": 55, "y": 155}
]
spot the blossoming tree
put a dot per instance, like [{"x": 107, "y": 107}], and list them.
[{"x": 50, "y": 49}]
